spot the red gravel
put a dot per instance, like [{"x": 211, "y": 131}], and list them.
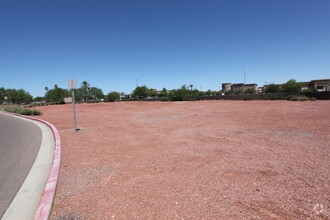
[{"x": 194, "y": 160}]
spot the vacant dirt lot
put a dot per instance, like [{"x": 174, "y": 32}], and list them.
[{"x": 194, "y": 160}]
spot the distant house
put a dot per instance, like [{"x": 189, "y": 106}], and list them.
[
  {"x": 226, "y": 87},
  {"x": 238, "y": 88},
  {"x": 124, "y": 96},
  {"x": 320, "y": 85}
]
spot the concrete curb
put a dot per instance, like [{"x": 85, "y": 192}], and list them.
[{"x": 46, "y": 202}]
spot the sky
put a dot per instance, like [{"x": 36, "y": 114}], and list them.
[{"x": 118, "y": 44}]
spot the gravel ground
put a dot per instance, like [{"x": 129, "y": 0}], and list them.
[{"x": 194, "y": 160}]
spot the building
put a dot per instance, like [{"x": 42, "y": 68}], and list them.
[
  {"x": 238, "y": 88},
  {"x": 226, "y": 87},
  {"x": 320, "y": 85}
]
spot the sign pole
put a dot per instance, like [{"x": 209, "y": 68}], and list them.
[
  {"x": 74, "y": 111},
  {"x": 72, "y": 86}
]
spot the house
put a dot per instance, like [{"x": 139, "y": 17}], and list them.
[
  {"x": 226, "y": 87},
  {"x": 238, "y": 88},
  {"x": 320, "y": 85}
]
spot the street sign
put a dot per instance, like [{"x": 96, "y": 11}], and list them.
[{"x": 72, "y": 83}]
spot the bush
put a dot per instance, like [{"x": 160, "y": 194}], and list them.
[
  {"x": 313, "y": 99},
  {"x": 21, "y": 111},
  {"x": 113, "y": 96},
  {"x": 248, "y": 98},
  {"x": 276, "y": 97},
  {"x": 299, "y": 98},
  {"x": 273, "y": 88},
  {"x": 249, "y": 91}
]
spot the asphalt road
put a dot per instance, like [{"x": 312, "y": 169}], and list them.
[{"x": 19, "y": 145}]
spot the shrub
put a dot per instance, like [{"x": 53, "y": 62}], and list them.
[
  {"x": 299, "y": 98},
  {"x": 113, "y": 96},
  {"x": 22, "y": 111},
  {"x": 249, "y": 91},
  {"x": 273, "y": 88},
  {"x": 276, "y": 97},
  {"x": 248, "y": 98},
  {"x": 313, "y": 99}
]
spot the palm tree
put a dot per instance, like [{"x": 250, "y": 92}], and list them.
[
  {"x": 191, "y": 86},
  {"x": 85, "y": 85},
  {"x": 55, "y": 86},
  {"x": 46, "y": 88}
]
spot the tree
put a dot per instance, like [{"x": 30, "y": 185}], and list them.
[
  {"x": 141, "y": 92},
  {"x": 273, "y": 88},
  {"x": 113, "y": 96},
  {"x": 46, "y": 88},
  {"x": 152, "y": 92},
  {"x": 19, "y": 96},
  {"x": 57, "y": 94},
  {"x": 291, "y": 86},
  {"x": 39, "y": 99},
  {"x": 163, "y": 93},
  {"x": 95, "y": 93},
  {"x": 85, "y": 85},
  {"x": 2, "y": 95},
  {"x": 183, "y": 94},
  {"x": 250, "y": 91},
  {"x": 191, "y": 86}
]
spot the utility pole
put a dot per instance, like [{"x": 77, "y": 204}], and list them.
[{"x": 244, "y": 76}]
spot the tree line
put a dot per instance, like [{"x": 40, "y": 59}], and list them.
[
  {"x": 87, "y": 93},
  {"x": 15, "y": 96}
]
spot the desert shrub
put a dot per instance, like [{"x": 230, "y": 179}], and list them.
[
  {"x": 249, "y": 91},
  {"x": 273, "y": 88},
  {"x": 313, "y": 99},
  {"x": 21, "y": 111},
  {"x": 276, "y": 97},
  {"x": 248, "y": 98},
  {"x": 299, "y": 98}
]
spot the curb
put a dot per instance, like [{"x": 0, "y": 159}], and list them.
[{"x": 46, "y": 202}]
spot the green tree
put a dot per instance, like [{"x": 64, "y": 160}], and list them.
[
  {"x": 141, "y": 92},
  {"x": 19, "y": 96},
  {"x": 291, "y": 86},
  {"x": 113, "y": 96},
  {"x": 57, "y": 94},
  {"x": 183, "y": 94},
  {"x": 39, "y": 99},
  {"x": 3, "y": 94},
  {"x": 273, "y": 88},
  {"x": 163, "y": 93},
  {"x": 85, "y": 85},
  {"x": 249, "y": 91},
  {"x": 152, "y": 92},
  {"x": 80, "y": 94},
  {"x": 191, "y": 86},
  {"x": 95, "y": 93}
]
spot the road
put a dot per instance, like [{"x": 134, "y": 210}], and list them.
[{"x": 19, "y": 145}]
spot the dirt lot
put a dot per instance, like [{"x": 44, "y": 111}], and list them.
[{"x": 194, "y": 160}]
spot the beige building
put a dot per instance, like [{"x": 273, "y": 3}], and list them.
[{"x": 238, "y": 88}]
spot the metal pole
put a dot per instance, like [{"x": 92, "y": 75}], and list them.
[
  {"x": 244, "y": 76},
  {"x": 74, "y": 111}
]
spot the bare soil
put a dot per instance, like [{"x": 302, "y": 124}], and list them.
[{"x": 194, "y": 160}]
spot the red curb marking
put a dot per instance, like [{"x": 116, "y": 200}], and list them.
[{"x": 46, "y": 202}]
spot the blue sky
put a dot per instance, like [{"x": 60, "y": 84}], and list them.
[{"x": 162, "y": 43}]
